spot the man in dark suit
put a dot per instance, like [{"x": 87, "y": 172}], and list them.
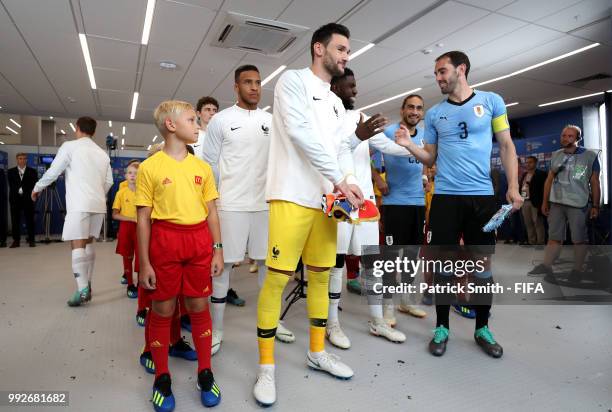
[
  {"x": 532, "y": 190},
  {"x": 3, "y": 210},
  {"x": 21, "y": 182}
]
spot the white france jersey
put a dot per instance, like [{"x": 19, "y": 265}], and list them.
[
  {"x": 88, "y": 175},
  {"x": 198, "y": 146},
  {"x": 309, "y": 151},
  {"x": 236, "y": 146}
]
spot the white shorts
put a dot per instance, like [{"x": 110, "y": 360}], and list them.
[
  {"x": 244, "y": 232},
  {"x": 352, "y": 237},
  {"x": 82, "y": 225}
]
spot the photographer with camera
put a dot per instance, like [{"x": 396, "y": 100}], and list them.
[{"x": 573, "y": 177}]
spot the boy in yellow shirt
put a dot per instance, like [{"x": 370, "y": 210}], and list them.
[
  {"x": 124, "y": 210},
  {"x": 179, "y": 242}
]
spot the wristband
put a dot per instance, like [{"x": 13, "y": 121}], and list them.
[{"x": 217, "y": 245}]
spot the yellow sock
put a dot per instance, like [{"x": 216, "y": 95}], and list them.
[
  {"x": 268, "y": 312},
  {"x": 266, "y": 350},
  {"x": 317, "y": 303}
]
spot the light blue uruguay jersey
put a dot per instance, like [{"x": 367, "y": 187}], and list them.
[
  {"x": 463, "y": 133},
  {"x": 404, "y": 174}
]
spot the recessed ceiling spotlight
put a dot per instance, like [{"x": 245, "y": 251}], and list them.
[
  {"x": 71, "y": 99},
  {"x": 440, "y": 45},
  {"x": 426, "y": 51},
  {"x": 168, "y": 65}
]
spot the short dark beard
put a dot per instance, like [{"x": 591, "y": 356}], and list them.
[
  {"x": 348, "y": 105},
  {"x": 331, "y": 67}
]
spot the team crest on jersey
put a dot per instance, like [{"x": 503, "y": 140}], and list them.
[
  {"x": 166, "y": 181},
  {"x": 266, "y": 130},
  {"x": 198, "y": 180},
  {"x": 389, "y": 240},
  {"x": 336, "y": 111},
  {"x": 479, "y": 110}
]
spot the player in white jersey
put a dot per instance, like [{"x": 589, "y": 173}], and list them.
[
  {"x": 351, "y": 238},
  {"x": 88, "y": 178},
  {"x": 206, "y": 108},
  {"x": 308, "y": 158},
  {"x": 236, "y": 147}
]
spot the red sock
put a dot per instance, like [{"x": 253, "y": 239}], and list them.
[
  {"x": 144, "y": 301},
  {"x": 202, "y": 337},
  {"x": 159, "y": 339},
  {"x": 147, "y": 346},
  {"x": 127, "y": 269},
  {"x": 175, "y": 327},
  {"x": 352, "y": 266}
]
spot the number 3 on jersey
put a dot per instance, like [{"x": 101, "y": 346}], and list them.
[{"x": 464, "y": 130}]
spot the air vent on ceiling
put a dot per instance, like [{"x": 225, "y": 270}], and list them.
[
  {"x": 583, "y": 81},
  {"x": 252, "y": 34}
]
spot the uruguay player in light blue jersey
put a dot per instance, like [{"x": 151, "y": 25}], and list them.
[
  {"x": 458, "y": 137},
  {"x": 404, "y": 204}
]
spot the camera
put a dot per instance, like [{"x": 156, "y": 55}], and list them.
[{"x": 111, "y": 142}]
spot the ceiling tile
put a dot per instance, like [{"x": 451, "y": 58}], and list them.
[
  {"x": 599, "y": 32},
  {"x": 57, "y": 17},
  {"x": 113, "y": 54},
  {"x": 575, "y": 67},
  {"x": 265, "y": 9},
  {"x": 386, "y": 14},
  {"x": 118, "y": 99},
  {"x": 114, "y": 79},
  {"x": 160, "y": 82},
  {"x": 115, "y": 19},
  {"x": 308, "y": 13},
  {"x": 428, "y": 29},
  {"x": 488, "y": 4},
  {"x": 186, "y": 36},
  {"x": 484, "y": 31},
  {"x": 26, "y": 76},
  {"x": 209, "y": 4},
  {"x": 512, "y": 44},
  {"x": 577, "y": 15},
  {"x": 532, "y": 10}
]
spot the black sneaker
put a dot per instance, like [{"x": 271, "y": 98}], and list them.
[
  {"x": 163, "y": 399},
  {"x": 141, "y": 317},
  {"x": 210, "y": 394},
  {"x": 132, "y": 291},
  {"x": 234, "y": 299},
  {"x": 484, "y": 339},
  {"x": 541, "y": 269},
  {"x": 575, "y": 276},
  {"x": 550, "y": 278},
  {"x": 437, "y": 346},
  {"x": 181, "y": 349}
]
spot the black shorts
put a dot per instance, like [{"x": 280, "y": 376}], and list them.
[
  {"x": 453, "y": 217},
  {"x": 403, "y": 224}
]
